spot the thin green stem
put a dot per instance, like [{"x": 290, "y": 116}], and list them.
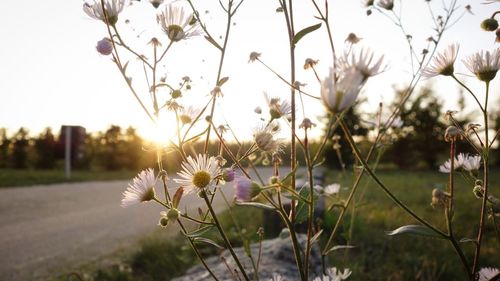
[
  {"x": 469, "y": 90},
  {"x": 485, "y": 183},
  {"x": 224, "y": 237},
  {"x": 382, "y": 185}
]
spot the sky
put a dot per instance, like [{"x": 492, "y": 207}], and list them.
[{"x": 51, "y": 74}]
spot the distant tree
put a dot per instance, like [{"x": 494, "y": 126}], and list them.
[
  {"x": 109, "y": 148},
  {"x": 424, "y": 128},
  {"x": 337, "y": 152},
  {"x": 45, "y": 148},
  {"x": 20, "y": 147},
  {"x": 133, "y": 149},
  {"x": 4, "y": 148}
]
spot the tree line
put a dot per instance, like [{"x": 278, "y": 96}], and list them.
[{"x": 416, "y": 143}]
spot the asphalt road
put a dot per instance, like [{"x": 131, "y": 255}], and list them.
[{"x": 47, "y": 230}]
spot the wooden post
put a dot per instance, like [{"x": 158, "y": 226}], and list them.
[{"x": 67, "y": 153}]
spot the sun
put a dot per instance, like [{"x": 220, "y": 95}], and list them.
[{"x": 162, "y": 133}]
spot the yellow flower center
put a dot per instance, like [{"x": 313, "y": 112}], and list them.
[
  {"x": 201, "y": 179},
  {"x": 175, "y": 32}
]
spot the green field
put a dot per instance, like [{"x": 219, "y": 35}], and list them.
[
  {"x": 376, "y": 256},
  {"x": 10, "y": 178}
]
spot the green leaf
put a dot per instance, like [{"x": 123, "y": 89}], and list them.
[
  {"x": 222, "y": 81},
  {"x": 255, "y": 204},
  {"x": 302, "y": 206},
  {"x": 208, "y": 241},
  {"x": 304, "y": 32},
  {"x": 212, "y": 41},
  {"x": 415, "y": 230},
  {"x": 339, "y": 247},
  {"x": 199, "y": 232}
]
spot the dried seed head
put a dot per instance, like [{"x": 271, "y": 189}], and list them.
[{"x": 452, "y": 133}]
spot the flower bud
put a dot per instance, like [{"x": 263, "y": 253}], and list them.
[
  {"x": 163, "y": 222},
  {"x": 176, "y": 94},
  {"x": 285, "y": 233},
  {"x": 104, "y": 47},
  {"x": 478, "y": 191},
  {"x": 228, "y": 174},
  {"x": 173, "y": 214},
  {"x": 489, "y": 24}
]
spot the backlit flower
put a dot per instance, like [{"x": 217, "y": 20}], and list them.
[
  {"x": 341, "y": 94},
  {"x": 177, "y": 24},
  {"x": 443, "y": 63},
  {"x": 111, "y": 7},
  {"x": 187, "y": 116},
  {"x": 364, "y": 62},
  {"x": 141, "y": 190},
  {"x": 484, "y": 64},
  {"x": 198, "y": 173},
  {"x": 352, "y": 38}
]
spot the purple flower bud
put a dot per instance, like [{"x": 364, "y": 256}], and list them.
[
  {"x": 104, "y": 47},
  {"x": 245, "y": 189},
  {"x": 228, "y": 174}
]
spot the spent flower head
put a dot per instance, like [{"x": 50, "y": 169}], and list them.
[
  {"x": 265, "y": 138},
  {"x": 141, "y": 189},
  {"x": 277, "y": 107},
  {"x": 310, "y": 63},
  {"x": 443, "y": 63},
  {"x": 307, "y": 124},
  {"x": 187, "y": 116},
  {"x": 386, "y": 4},
  {"x": 484, "y": 65},
  {"x": 177, "y": 23},
  {"x": 111, "y": 9},
  {"x": 254, "y": 56},
  {"x": 352, "y": 39},
  {"x": 198, "y": 173}
]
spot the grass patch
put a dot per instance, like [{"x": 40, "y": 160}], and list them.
[
  {"x": 381, "y": 257},
  {"x": 376, "y": 256},
  {"x": 11, "y": 178}
]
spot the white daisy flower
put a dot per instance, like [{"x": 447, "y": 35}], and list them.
[
  {"x": 471, "y": 163},
  {"x": 487, "y": 273},
  {"x": 265, "y": 139},
  {"x": 176, "y": 23},
  {"x": 198, "y": 173},
  {"x": 386, "y": 4},
  {"x": 341, "y": 94},
  {"x": 484, "y": 64},
  {"x": 443, "y": 63},
  {"x": 446, "y": 166},
  {"x": 277, "y": 277},
  {"x": 334, "y": 275},
  {"x": 331, "y": 189},
  {"x": 112, "y": 7},
  {"x": 363, "y": 62},
  {"x": 141, "y": 190}
]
